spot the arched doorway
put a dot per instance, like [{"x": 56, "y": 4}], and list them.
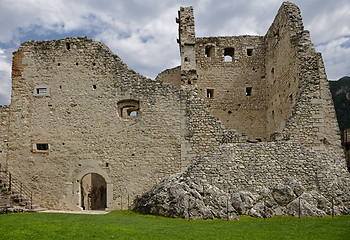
[{"x": 93, "y": 192}]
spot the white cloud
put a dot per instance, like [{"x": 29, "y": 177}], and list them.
[
  {"x": 150, "y": 47},
  {"x": 336, "y": 56},
  {"x": 331, "y": 24},
  {"x": 143, "y": 33}
]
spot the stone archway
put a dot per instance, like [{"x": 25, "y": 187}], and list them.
[{"x": 93, "y": 192}]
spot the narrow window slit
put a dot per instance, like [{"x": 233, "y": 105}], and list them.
[
  {"x": 210, "y": 93},
  {"x": 248, "y": 91}
]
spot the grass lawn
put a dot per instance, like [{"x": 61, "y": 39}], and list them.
[{"x": 129, "y": 225}]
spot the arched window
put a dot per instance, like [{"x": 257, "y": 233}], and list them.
[
  {"x": 229, "y": 54},
  {"x": 128, "y": 109}
]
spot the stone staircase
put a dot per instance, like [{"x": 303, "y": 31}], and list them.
[{"x": 15, "y": 196}]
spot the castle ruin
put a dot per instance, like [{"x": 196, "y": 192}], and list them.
[{"x": 84, "y": 131}]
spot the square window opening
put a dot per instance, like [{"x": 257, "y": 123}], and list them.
[
  {"x": 42, "y": 146},
  {"x": 41, "y": 90},
  {"x": 249, "y": 51},
  {"x": 210, "y": 93}
]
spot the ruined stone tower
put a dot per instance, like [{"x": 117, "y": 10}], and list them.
[{"x": 84, "y": 131}]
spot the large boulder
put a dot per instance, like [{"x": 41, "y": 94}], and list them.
[{"x": 186, "y": 198}]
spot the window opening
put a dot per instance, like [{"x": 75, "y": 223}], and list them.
[
  {"x": 249, "y": 51},
  {"x": 229, "y": 54},
  {"x": 209, "y": 51},
  {"x": 42, "y": 146},
  {"x": 94, "y": 86},
  {"x": 210, "y": 93},
  {"x": 41, "y": 90},
  {"x": 248, "y": 91},
  {"x": 68, "y": 46},
  {"x": 128, "y": 109}
]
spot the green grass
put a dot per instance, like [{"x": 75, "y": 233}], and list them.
[{"x": 129, "y": 225}]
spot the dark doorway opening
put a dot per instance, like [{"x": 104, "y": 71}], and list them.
[{"x": 93, "y": 192}]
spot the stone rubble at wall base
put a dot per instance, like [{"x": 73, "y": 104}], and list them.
[{"x": 197, "y": 194}]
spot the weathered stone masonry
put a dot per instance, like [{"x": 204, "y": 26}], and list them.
[
  {"x": 78, "y": 113},
  {"x": 79, "y": 117},
  {"x": 269, "y": 88},
  {"x": 4, "y": 124}
]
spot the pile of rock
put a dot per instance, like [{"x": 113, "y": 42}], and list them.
[{"x": 182, "y": 197}]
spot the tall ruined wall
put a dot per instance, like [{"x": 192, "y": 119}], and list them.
[
  {"x": 282, "y": 66},
  {"x": 75, "y": 97},
  {"x": 233, "y": 86},
  {"x": 187, "y": 42},
  {"x": 300, "y": 103},
  {"x": 4, "y": 127}
]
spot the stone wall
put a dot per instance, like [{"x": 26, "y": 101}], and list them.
[
  {"x": 234, "y": 89},
  {"x": 254, "y": 166},
  {"x": 68, "y": 96},
  {"x": 284, "y": 82},
  {"x": 77, "y": 109},
  {"x": 256, "y": 179},
  {"x": 300, "y": 102},
  {"x": 4, "y": 126},
  {"x": 171, "y": 76},
  {"x": 273, "y": 88},
  {"x": 254, "y": 84},
  {"x": 202, "y": 131}
]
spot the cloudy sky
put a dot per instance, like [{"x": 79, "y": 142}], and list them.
[{"x": 143, "y": 33}]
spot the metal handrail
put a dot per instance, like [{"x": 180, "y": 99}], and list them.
[{"x": 15, "y": 186}]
